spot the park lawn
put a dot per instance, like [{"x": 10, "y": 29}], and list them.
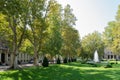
[{"x": 71, "y": 71}]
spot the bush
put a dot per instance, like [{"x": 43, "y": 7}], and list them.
[
  {"x": 45, "y": 62},
  {"x": 93, "y": 64},
  {"x": 112, "y": 63},
  {"x": 74, "y": 59},
  {"x": 65, "y": 60},
  {"x": 69, "y": 60},
  {"x": 116, "y": 63},
  {"x": 108, "y": 66},
  {"x": 58, "y": 61},
  {"x": 83, "y": 61}
]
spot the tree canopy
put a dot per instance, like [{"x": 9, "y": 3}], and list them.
[{"x": 112, "y": 36}]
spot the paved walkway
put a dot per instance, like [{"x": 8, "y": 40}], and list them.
[{"x": 3, "y": 68}]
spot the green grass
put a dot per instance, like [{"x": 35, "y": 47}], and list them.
[{"x": 72, "y": 71}]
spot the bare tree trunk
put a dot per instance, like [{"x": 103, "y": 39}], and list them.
[
  {"x": 15, "y": 59},
  {"x": 35, "y": 57},
  {"x": 15, "y": 62},
  {"x": 11, "y": 60}
]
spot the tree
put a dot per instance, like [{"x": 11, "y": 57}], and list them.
[
  {"x": 68, "y": 17},
  {"x": 112, "y": 36},
  {"x": 14, "y": 10},
  {"x": 90, "y": 43},
  {"x": 71, "y": 42},
  {"x": 54, "y": 20},
  {"x": 36, "y": 32},
  {"x": 27, "y": 47},
  {"x": 69, "y": 34}
]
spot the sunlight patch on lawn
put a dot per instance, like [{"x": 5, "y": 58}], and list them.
[
  {"x": 70, "y": 71},
  {"x": 85, "y": 68}
]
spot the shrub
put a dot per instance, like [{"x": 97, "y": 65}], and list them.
[
  {"x": 94, "y": 65},
  {"x": 45, "y": 62},
  {"x": 58, "y": 61},
  {"x": 69, "y": 60},
  {"x": 75, "y": 59},
  {"x": 83, "y": 61},
  {"x": 65, "y": 60},
  {"x": 112, "y": 63},
  {"x": 72, "y": 60},
  {"x": 108, "y": 66}
]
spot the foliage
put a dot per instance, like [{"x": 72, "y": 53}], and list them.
[
  {"x": 69, "y": 18},
  {"x": 45, "y": 62},
  {"x": 36, "y": 32},
  {"x": 13, "y": 10},
  {"x": 65, "y": 60},
  {"x": 58, "y": 61},
  {"x": 108, "y": 65},
  {"x": 112, "y": 36},
  {"x": 5, "y": 31},
  {"x": 26, "y": 47},
  {"x": 38, "y": 27},
  {"x": 90, "y": 43},
  {"x": 71, "y": 42},
  {"x": 54, "y": 19},
  {"x": 70, "y": 35}
]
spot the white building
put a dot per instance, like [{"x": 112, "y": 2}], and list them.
[
  {"x": 109, "y": 55},
  {"x": 5, "y": 56}
]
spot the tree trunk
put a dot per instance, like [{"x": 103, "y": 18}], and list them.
[
  {"x": 35, "y": 57},
  {"x": 11, "y": 60},
  {"x": 15, "y": 62}
]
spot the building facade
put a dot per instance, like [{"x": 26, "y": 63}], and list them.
[
  {"x": 109, "y": 55},
  {"x": 5, "y": 55}
]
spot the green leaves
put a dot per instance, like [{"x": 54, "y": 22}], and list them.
[
  {"x": 71, "y": 42},
  {"x": 39, "y": 26},
  {"x": 112, "y": 36},
  {"x": 54, "y": 20},
  {"x": 69, "y": 17},
  {"x": 92, "y": 42}
]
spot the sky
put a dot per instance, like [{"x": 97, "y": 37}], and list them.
[{"x": 92, "y": 15}]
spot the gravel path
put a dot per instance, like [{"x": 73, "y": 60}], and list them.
[{"x": 3, "y": 68}]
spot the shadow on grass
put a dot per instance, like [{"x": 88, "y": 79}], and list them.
[{"x": 56, "y": 72}]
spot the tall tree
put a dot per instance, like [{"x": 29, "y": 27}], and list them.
[
  {"x": 14, "y": 10},
  {"x": 69, "y": 18},
  {"x": 69, "y": 34},
  {"x": 71, "y": 42},
  {"x": 112, "y": 36},
  {"x": 36, "y": 32},
  {"x": 54, "y": 19}
]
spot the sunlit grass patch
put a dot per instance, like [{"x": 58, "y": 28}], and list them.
[{"x": 70, "y": 71}]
